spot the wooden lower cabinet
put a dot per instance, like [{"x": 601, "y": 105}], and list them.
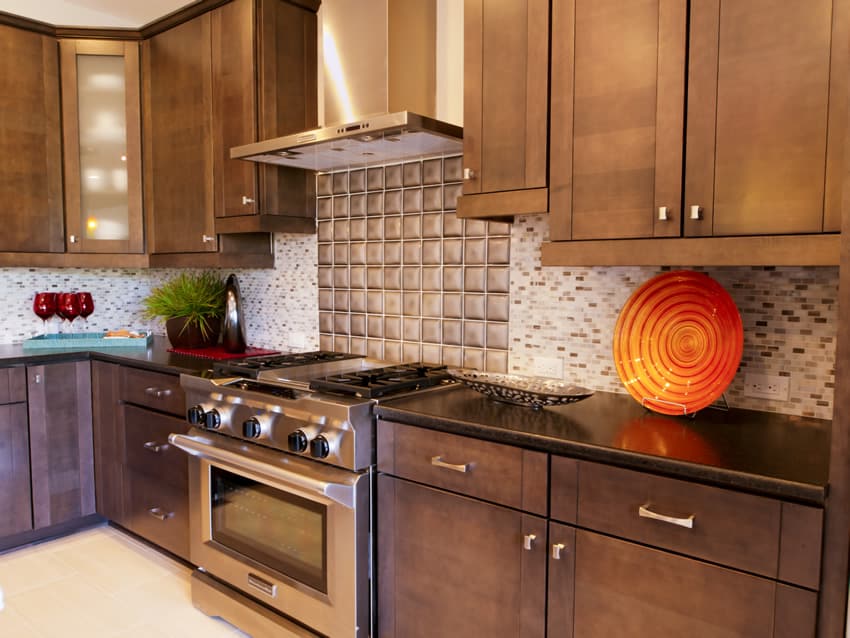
[
  {"x": 449, "y": 565},
  {"x": 604, "y": 586},
  {"x": 15, "y": 501},
  {"x": 61, "y": 455}
]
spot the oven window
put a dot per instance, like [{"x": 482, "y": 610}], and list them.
[{"x": 281, "y": 531}]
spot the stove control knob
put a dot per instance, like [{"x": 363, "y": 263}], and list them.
[
  {"x": 195, "y": 415},
  {"x": 212, "y": 419},
  {"x": 297, "y": 441},
  {"x": 319, "y": 447},
  {"x": 251, "y": 428}
]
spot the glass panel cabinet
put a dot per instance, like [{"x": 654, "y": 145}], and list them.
[{"x": 102, "y": 146}]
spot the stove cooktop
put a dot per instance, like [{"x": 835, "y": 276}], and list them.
[
  {"x": 253, "y": 367},
  {"x": 377, "y": 382}
]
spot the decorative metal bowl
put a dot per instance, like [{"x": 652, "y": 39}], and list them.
[{"x": 534, "y": 392}]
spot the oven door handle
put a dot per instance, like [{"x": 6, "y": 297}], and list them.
[{"x": 328, "y": 483}]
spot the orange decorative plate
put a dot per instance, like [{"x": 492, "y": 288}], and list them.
[{"x": 678, "y": 342}]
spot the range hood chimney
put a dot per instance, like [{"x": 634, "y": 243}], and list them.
[{"x": 390, "y": 87}]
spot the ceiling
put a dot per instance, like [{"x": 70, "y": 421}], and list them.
[{"x": 130, "y": 14}]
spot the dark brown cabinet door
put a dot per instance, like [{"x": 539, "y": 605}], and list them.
[
  {"x": 15, "y": 500},
  {"x": 108, "y": 439},
  {"x": 761, "y": 149},
  {"x": 623, "y": 589},
  {"x": 617, "y": 121},
  {"x": 61, "y": 456},
  {"x": 178, "y": 163},
  {"x": 506, "y": 50},
  {"x": 30, "y": 143},
  {"x": 449, "y": 565},
  {"x": 264, "y": 85}
]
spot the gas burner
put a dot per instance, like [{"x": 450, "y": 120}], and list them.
[
  {"x": 377, "y": 382},
  {"x": 254, "y": 366}
]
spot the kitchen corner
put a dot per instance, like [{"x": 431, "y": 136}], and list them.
[{"x": 350, "y": 485}]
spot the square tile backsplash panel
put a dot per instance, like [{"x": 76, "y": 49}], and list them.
[
  {"x": 789, "y": 317},
  {"x": 401, "y": 277}
]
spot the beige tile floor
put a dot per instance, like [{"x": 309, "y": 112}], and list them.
[{"x": 99, "y": 583}]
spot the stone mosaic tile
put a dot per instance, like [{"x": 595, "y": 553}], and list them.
[{"x": 789, "y": 317}]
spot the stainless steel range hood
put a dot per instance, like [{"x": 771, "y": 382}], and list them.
[{"x": 391, "y": 86}]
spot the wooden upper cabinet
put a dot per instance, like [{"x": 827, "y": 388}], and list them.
[
  {"x": 617, "y": 130},
  {"x": 101, "y": 124},
  {"x": 763, "y": 149},
  {"x": 178, "y": 139},
  {"x": 31, "y": 214},
  {"x": 506, "y": 56},
  {"x": 264, "y": 85},
  {"x": 761, "y": 153}
]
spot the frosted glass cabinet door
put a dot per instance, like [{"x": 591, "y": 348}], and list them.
[{"x": 102, "y": 135}]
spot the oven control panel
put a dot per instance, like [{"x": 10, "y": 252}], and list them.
[{"x": 335, "y": 432}]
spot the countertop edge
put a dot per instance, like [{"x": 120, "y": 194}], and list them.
[{"x": 805, "y": 493}]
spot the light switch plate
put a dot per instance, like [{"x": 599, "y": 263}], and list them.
[{"x": 552, "y": 367}]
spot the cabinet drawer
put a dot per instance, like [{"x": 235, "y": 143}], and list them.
[
  {"x": 491, "y": 471},
  {"x": 153, "y": 389},
  {"x": 732, "y": 528},
  {"x": 146, "y": 446},
  {"x": 13, "y": 385},
  {"x": 159, "y": 512}
]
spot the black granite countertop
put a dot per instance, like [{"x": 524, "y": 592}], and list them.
[
  {"x": 760, "y": 452},
  {"x": 154, "y": 357}
]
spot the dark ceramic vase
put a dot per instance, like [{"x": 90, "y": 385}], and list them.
[{"x": 183, "y": 335}]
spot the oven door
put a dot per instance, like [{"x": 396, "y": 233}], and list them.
[{"x": 291, "y": 532}]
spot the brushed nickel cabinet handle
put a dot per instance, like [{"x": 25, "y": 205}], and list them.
[
  {"x": 208, "y": 238},
  {"x": 527, "y": 540},
  {"x": 645, "y": 512},
  {"x": 469, "y": 174},
  {"x": 557, "y": 548},
  {"x": 160, "y": 514},
  {"x": 663, "y": 214},
  {"x": 72, "y": 239},
  {"x": 247, "y": 200},
  {"x": 155, "y": 447},
  {"x": 696, "y": 212},
  {"x": 158, "y": 393},
  {"x": 437, "y": 461}
]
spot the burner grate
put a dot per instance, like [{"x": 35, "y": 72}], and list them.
[
  {"x": 378, "y": 382},
  {"x": 252, "y": 366}
]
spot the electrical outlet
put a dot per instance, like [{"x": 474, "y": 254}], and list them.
[
  {"x": 766, "y": 386},
  {"x": 297, "y": 340},
  {"x": 552, "y": 367}
]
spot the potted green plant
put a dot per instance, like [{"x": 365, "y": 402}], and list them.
[{"x": 192, "y": 305}]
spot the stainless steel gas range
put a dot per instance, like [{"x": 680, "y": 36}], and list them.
[{"x": 281, "y": 480}]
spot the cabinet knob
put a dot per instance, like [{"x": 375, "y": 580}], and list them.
[
  {"x": 247, "y": 200},
  {"x": 696, "y": 212},
  {"x": 36, "y": 378},
  {"x": 207, "y": 238},
  {"x": 72, "y": 239},
  {"x": 527, "y": 540},
  {"x": 469, "y": 173},
  {"x": 557, "y": 548},
  {"x": 663, "y": 214}
]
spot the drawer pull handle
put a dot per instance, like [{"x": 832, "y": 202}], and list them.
[
  {"x": 155, "y": 447},
  {"x": 645, "y": 512},
  {"x": 158, "y": 393},
  {"x": 159, "y": 513},
  {"x": 557, "y": 548},
  {"x": 527, "y": 540},
  {"x": 437, "y": 461}
]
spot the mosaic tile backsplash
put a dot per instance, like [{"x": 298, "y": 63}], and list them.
[
  {"x": 401, "y": 277},
  {"x": 394, "y": 273},
  {"x": 789, "y": 317}
]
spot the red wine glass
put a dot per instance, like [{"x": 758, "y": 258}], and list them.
[
  {"x": 86, "y": 304},
  {"x": 44, "y": 305},
  {"x": 69, "y": 306}
]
